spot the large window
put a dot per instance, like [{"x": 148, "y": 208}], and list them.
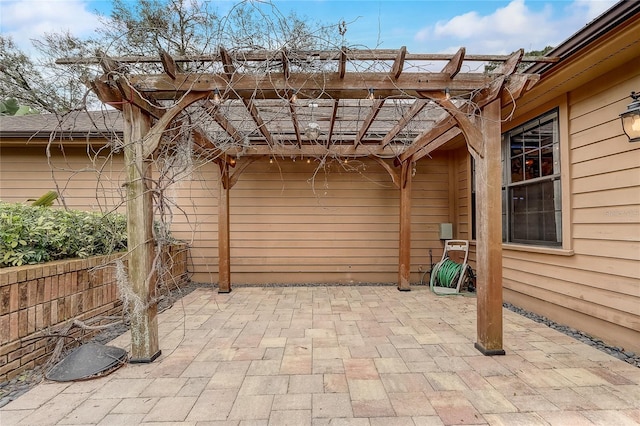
[{"x": 531, "y": 196}]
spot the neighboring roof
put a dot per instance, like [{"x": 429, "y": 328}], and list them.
[
  {"x": 107, "y": 124},
  {"x": 611, "y": 18}
]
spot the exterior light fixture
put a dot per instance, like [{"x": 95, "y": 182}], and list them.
[
  {"x": 447, "y": 93},
  {"x": 294, "y": 97},
  {"x": 216, "y": 97},
  {"x": 631, "y": 118},
  {"x": 312, "y": 131},
  {"x": 371, "y": 96}
]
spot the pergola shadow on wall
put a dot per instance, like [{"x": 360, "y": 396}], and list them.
[{"x": 236, "y": 107}]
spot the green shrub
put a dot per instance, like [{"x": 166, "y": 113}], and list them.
[{"x": 32, "y": 234}]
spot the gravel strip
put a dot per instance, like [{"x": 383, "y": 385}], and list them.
[
  {"x": 18, "y": 386},
  {"x": 620, "y": 353}
]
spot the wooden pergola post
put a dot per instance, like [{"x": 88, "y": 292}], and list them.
[
  {"x": 224, "y": 251},
  {"x": 489, "y": 234},
  {"x": 404, "y": 272},
  {"x": 142, "y": 276}
]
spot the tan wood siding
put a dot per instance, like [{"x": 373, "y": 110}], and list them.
[
  {"x": 27, "y": 174},
  {"x": 291, "y": 223},
  {"x": 601, "y": 280},
  {"x": 462, "y": 214},
  {"x": 288, "y": 223}
]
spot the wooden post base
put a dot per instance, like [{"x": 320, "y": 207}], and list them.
[
  {"x": 145, "y": 360},
  {"x": 488, "y": 352}
]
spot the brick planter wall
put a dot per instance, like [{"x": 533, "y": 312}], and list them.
[{"x": 37, "y": 298}]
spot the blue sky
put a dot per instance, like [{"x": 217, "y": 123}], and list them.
[{"x": 424, "y": 26}]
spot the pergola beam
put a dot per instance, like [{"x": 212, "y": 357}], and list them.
[
  {"x": 328, "y": 86},
  {"x": 321, "y": 55},
  {"x": 320, "y": 150},
  {"x": 108, "y": 64}
]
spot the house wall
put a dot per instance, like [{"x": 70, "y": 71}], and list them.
[
  {"x": 295, "y": 222},
  {"x": 461, "y": 205},
  {"x": 87, "y": 178},
  {"x": 291, "y": 222},
  {"x": 593, "y": 282}
]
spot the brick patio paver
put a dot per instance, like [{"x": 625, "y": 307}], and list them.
[{"x": 352, "y": 356}]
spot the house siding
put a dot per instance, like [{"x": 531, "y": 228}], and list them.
[
  {"x": 293, "y": 222},
  {"x": 86, "y": 179},
  {"x": 290, "y": 222},
  {"x": 595, "y": 285}
]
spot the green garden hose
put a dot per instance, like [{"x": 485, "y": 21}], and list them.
[{"x": 446, "y": 274}]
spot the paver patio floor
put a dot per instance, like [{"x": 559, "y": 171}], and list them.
[{"x": 358, "y": 355}]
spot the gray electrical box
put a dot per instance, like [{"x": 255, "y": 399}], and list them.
[{"x": 446, "y": 231}]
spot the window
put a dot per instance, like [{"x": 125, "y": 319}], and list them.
[{"x": 531, "y": 194}]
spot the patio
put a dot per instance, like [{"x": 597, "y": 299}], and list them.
[{"x": 356, "y": 355}]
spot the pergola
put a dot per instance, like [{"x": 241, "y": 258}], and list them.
[{"x": 343, "y": 104}]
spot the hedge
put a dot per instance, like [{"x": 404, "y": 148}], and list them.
[{"x": 30, "y": 234}]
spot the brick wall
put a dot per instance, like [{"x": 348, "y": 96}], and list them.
[{"x": 35, "y": 299}]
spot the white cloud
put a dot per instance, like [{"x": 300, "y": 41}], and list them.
[
  {"x": 24, "y": 20},
  {"x": 514, "y": 26},
  {"x": 591, "y": 9}
]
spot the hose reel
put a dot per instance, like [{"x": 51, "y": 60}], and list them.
[{"x": 448, "y": 275}]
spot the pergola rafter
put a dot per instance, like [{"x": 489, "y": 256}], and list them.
[
  {"x": 332, "y": 123},
  {"x": 368, "y": 121},
  {"x": 441, "y": 106},
  {"x": 406, "y": 118},
  {"x": 214, "y": 111}
]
